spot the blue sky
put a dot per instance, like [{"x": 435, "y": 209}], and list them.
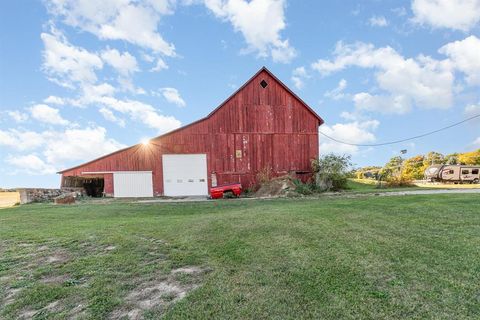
[{"x": 79, "y": 79}]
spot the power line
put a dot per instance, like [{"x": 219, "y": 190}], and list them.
[{"x": 401, "y": 140}]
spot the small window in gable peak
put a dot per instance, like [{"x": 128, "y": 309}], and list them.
[{"x": 264, "y": 84}]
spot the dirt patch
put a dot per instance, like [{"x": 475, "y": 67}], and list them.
[
  {"x": 58, "y": 257},
  {"x": 189, "y": 270},
  {"x": 55, "y": 279},
  {"x": 159, "y": 294},
  {"x": 277, "y": 187},
  {"x": 79, "y": 312},
  {"x": 10, "y": 296},
  {"x": 53, "y": 307}
]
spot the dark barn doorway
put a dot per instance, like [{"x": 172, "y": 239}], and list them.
[{"x": 92, "y": 186}]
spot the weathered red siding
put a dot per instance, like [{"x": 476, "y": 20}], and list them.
[{"x": 271, "y": 127}]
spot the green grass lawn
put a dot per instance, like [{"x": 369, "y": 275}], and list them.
[{"x": 415, "y": 257}]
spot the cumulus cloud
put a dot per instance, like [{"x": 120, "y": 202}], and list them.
[
  {"x": 18, "y": 116},
  {"x": 112, "y": 20},
  {"x": 397, "y": 104},
  {"x": 46, "y": 114},
  {"x": 22, "y": 140},
  {"x": 52, "y": 149},
  {"x": 54, "y": 100},
  {"x": 378, "y": 21},
  {"x": 422, "y": 80},
  {"x": 161, "y": 65},
  {"x": 31, "y": 164},
  {"x": 260, "y": 22},
  {"x": 142, "y": 112},
  {"x": 353, "y": 132},
  {"x": 110, "y": 116},
  {"x": 79, "y": 144},
  {"x": 465, "y": 57},
  {"x": 453, "y": 14},
  {"x": 173, "y": 96},
  {"x": 298, "y": 77},
  {"x": 124, "y": 63},
  {"x": 337, "y": 93},
  {"x": 472, "y": 110},
  {"x": 66, "y": 64}
]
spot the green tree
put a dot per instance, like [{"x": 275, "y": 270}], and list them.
[
  {"x": 392, "y": 168},
  {"x": 331, "y": 172},
  {"x": 433, "y": 158},
  {"x": 451, "y": 158}
]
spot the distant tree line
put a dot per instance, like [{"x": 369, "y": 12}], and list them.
[{"x": 401, "y": 171}]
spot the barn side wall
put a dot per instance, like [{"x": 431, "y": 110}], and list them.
[{"x": 256, "y": 129}]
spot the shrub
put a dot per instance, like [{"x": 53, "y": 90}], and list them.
[
  {"x": 331, "y": 172},
  {"x": 304, "y": 188},
  {"x": 399, "y": 181}
]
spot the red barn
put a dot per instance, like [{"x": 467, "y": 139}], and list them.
[{"x": 262, "y": 127}]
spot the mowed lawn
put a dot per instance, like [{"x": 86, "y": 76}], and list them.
[{"x": 412, "y": 257}]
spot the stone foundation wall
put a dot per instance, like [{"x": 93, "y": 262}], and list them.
[{"x": 28, "y": 195}]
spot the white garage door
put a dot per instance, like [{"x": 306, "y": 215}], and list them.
[
  {"x": 185, "y": 174},
  {"x": 132, "y": 184}
]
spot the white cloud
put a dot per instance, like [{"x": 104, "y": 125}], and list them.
[
  {"x": 142, "y": 112},
  {"x": 397, "y": 104},
  {"x": 124, "y": 63},
  {"x": 173, "y": 96},
  {"x": 161, "y": 65},
  {"x": 454, "y": 14},
  {"x": 132, "y": 21},
  {"x": 422, "y": 80},
  {"x": 110, "y": 116},
  {"x": 147, "y": 57},
  {"x": 337, "y": 93},
  {"x": 79, "y": 144},
  {"x": 126, "y": 84},
  {"x": 66, "y": 64},
  {"x": 471, "y": 111},
  {"x": 298, "y": 77},
  {"x": 46, "y": 114},
  {"x": 54, "y": 100},
  {"x": 55, "y": 148},
  {"x": 378, "y": 21},
  {"x": 21, "y": 140},
  {"x": 260, "y": 22},
  {"x": 351, "y": 116},
  {"x": 465, "y": 56},
  {"x": 352, "y": 132},
  {"x": 18, "y": 116},
  {"x": 90, "y": 92},
  {"x": 31, "y": 164}
]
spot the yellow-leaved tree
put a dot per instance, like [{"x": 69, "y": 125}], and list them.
[
  {"x": 470, "y": 158},
  {"x": 413, "y": 168}
]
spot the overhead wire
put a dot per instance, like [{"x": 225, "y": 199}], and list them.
[{"x": 400, "y": 140}]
